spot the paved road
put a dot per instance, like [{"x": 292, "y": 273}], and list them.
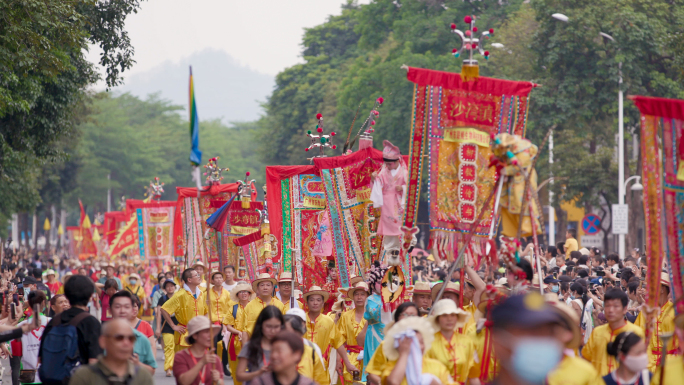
[{"x": 159, "y": 375}]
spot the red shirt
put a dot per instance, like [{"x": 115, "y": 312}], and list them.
[
  {"x": 144, "y": 328},
  {"x": 184, "y": 361},
  {"x": 106, "y": 313},
  {"x": 54, "y": 287}
]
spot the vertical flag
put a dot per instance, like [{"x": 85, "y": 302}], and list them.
[{"x": 195, "y": 153}]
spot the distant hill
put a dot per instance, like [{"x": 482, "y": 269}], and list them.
[{"x": 224, "y": 89}]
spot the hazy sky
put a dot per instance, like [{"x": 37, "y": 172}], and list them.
[{"x": 264, "y": 35}]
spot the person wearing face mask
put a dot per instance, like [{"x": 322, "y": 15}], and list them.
[
  {"x": 553, "y": 284},
  {"x": 524, "y": 339},
  {"x": 133, "y": 286},
  {"x": 629, "y": 350},
  {"x": 456, "y": 351}
]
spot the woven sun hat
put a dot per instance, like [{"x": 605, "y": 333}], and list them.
[
  {"x": 354, "y": 279},
  {"x": 453, "y": 287},
  {"x": 447, "y": 306},
  {"x": 241, "y": 287},
  {"x": 535, "y": 282},
  {"x": 338, "y": 306},
  {"x": 49, "y": 272},
  {"x": 665, "y": 279},
  {"x": 134, "y": 275},
  {"x": 359, "y": 286},
  {"x": 422, "y": 288},
  {"x": 66, "y": 276},
  {"x": 211, "y": 276},
  {"x": 263, "y": 277},
  {"x": 197, "y": 324},
  {"x": 569, "y": 316},
  {"x": 316, "y": 290},
  {"x": 198, "y": 263},
  {"x": 419, "y": 324},
  {"x": 286, "y": 276}
]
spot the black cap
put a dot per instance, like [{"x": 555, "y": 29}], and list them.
[
  {"x": 524, "y": 311},
  {"x": 30, "y": 281},
  {"x": 550, "y": 279}
]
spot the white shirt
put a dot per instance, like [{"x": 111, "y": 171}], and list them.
[
  {"x": 229, "y": 287},
  {"x": 31, "y": 344}
]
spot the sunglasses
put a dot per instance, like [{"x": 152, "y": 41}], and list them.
[{"x": 120, "y": 337}]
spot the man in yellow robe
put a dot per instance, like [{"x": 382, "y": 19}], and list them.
[
  {"x": 285, "y": 291},
  {"x": 188, "y": 303},
  {"x": 133, "y": 286},
  {"x": 348, "y": 328},
  {"x": 319, "y": 327},
  {"x": 218, "y": 299},
  {"x": 664, "y": 323},
  {"x": 240, "y": 296},
  {"x": 614, "y": 307},
  {"x": 673, "y": 372},
  {"x": 263, "y": 287},
  {"x": 201, "y": 270}
]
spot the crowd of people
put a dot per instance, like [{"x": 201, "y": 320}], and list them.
[{"x": 583, "y": 322}]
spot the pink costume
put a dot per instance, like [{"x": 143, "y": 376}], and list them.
[{"x": 385, "y": 196}]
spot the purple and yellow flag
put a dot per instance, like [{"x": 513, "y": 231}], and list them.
[{"x": 195, "y": 153}]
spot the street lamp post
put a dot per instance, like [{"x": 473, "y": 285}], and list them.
[
  {"x": 637, "y": 186},
  {"x": 552, "y": 211},
  {"x": 621, "y": 137}
]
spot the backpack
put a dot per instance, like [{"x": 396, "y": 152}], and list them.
[
  {"x": 235, "y": 310},
  {"x": 60, "y": 355}
]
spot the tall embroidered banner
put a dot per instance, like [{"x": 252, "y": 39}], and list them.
[
  {"x": 662, "y": 160},
  {"x": 155, "y": 229},
  {"x": 113, "y": 221},
  {"x": 126, "y": 238},
  {"x": 257, "y": 254},
  {"x": 458, "y": 118},
  {"x": 296, "y": 207},
  {"x": 81, "y": 242},
  {"x": 190, "y": 226}
]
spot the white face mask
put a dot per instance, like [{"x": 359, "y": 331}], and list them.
[{"x": 636, "y": 363}]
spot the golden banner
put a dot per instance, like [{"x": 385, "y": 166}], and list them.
[
  {"x": 314, "y": 202},
  {"x": 363, "y": 195},
  {"x": 243, "y": 230},
  {"x": 466, "y": 135}
]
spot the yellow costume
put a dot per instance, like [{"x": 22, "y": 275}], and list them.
[
  {"x": 218, "y": 305},
  {"x": 249, "y": 316},
  {"x": 470, "y": 322},
  {"x": 573, "y": 371},
  {"x": 481, "y": 341},
  {"x": 457, "y": 354},
  {"x": 312, "y": 366},
  {"x": 345, "y": 334},
  {"x": 234, "y": 340},
  {"x": 169, "y": 350},
  {"x": 674, "y": 372},
  {"x": 595, "y": 349},
  {"x": 287, "y": 307},
  {"x": 430, "y": 366},
  {"x": 320, "y": 331},
  {"x": 663, "y": 324},
  {"x": 570, "y": 246},
  {"x": 512, "y": 192},
  {"x": 185, "y": 306},
  {"x": 139, "y": 292},
  {"x": 377, "y": 363}
]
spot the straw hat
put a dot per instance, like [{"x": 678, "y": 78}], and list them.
[
  {"x": 105, "y": 265},
  {"x": 198, "y": 263},
  {"x": 569, "y": 316},
  {"x": 419, "y": 324},
  {"x": 535, "y": 282},
  {"x": 134, "y": 275},
  {"x": 452, "y": 287},
  {"x": 337, "y": 306},
  {"x": 447, "y": 306},
  {"x": 422, "y": 288},
  {"x": 354, "y": 279},
  {"x": 241, "y": 287},
  {"x": 316, "y": 290},
  {"x": 263, "y": 277},
  {"x": 359, "y": 286},
  {"x": 49, "y": 272},
  {"x": 197, "y": 324},
  {"x": 286, "y": 276},
  {"x": 66, "y": 276},
  {"x": 665, "y": 279},
  {"x": 211, "y": 276}
]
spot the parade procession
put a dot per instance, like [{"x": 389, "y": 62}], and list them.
[{"x": 424, "y": 199}]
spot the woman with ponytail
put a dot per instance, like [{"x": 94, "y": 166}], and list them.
[{"x": 629, "y": 350}]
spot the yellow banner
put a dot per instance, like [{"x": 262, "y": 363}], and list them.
[
  {"x": 363, "y": 195},
  {"x": 314, "y": 202},
  {"x": 466, "y": 135},
  {"x": 243, "y": 230}
]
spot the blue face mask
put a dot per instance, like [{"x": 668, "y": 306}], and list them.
[
  {"x": 535, "y": 357},
  {"x": 554, "y": 289},
  {"x": 134, "y": 281}
]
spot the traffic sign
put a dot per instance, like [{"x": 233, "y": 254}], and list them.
[
  {"x": 591, "y": 224},
  {"x": 592, "y": 241},
  {"x": 620, "y": 217}
]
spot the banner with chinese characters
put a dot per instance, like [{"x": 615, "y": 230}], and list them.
[
  {"x": 244, "y": 221},
  {"x": 459, "y": 118},
  {"x": 155, "y": 229},
  {"x": 662, "y": 161},
  {"x": 113, "y": 221},
  {"x": 190, "y": 226},
  {"x": 296, "y": 210},
  {"x": 126, "y": 239}
]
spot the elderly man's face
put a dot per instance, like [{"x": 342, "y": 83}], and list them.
[{"x": 118, "y": 340}]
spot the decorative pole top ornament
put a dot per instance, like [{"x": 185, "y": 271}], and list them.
[
  {"x": 470, "y": 69},
  {"x": 155, "y": 189},
  {"x": 122, "y": 203},
  {"x": 245, "y": 189},
  {"x": 213, "y": 172},
  {"x": 368, "y": 126},
  {"x": 320, "y": 140}
]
